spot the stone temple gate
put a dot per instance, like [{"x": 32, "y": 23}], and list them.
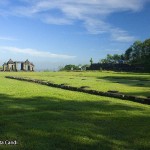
[{"x": 18, "y": 66}]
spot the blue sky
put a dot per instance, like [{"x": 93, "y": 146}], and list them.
[{"x": 52, "y": 33}]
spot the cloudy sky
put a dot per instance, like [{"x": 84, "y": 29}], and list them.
[{"x": 52, "y": 33}]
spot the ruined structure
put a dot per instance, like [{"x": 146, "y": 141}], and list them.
[
  {"x": 18, "y": 66},
  {"x": 116, "y": 67}
]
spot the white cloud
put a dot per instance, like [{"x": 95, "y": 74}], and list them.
[
  {"x": 121, "y": 35},
  {"x": 91, "y": 12},
  {"x": 57, "y": 21},
  {"x": 5, "y": 38},
  {"x": 113, "y": 50},
  {"x": 36, "y": 53}
]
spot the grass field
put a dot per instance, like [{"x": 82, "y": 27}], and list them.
[
  {"x": 41, "y": 117},
  {"x": 128, "y": 83}
]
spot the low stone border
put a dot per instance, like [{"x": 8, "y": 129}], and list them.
[{"x": 71, "y": 88}]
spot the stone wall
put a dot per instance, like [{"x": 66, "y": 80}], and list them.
[{"x": 115, "y": 67}]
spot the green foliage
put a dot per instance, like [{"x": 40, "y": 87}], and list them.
[
  {"x": 85, "y": 66},
  {"x": 128, "y": 53},
  {"x": 139, "y": 53},
  {"x": 112, "y": 58},
  {"x": 70, "y": 67},
  {"x": 73, "y": 67},
  {"x": 91, "y": 61}
]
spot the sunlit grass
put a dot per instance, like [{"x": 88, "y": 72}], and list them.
[
  {"x": 128, "y": 83},
  {"x": 41, "y": 117}
]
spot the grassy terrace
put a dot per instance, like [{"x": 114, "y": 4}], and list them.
[
  {"x": 128, "y": 83},
  {"x": 41, "y": 117}
]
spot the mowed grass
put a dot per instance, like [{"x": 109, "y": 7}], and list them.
[
  {"x": 41, "y": 117},
  {"x": 135, "y": 84}
]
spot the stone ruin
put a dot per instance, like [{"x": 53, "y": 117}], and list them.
[
  {"x": 14, "y": 66},
  {"x": 116, "y": 67}
]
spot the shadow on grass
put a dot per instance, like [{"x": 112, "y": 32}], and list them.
[
  {"x": 131, "y": 81},
  {"x": 50, "y": 123},
  {"x": 132, "y": 73},
  {"x": 131, "y": 78}
]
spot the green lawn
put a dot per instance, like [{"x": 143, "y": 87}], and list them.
[
  {"x": 41, "y": 117},
  {"x": 128, "y": 83}
]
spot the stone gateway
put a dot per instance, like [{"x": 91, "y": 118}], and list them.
[{"x": 14, "y": 66}]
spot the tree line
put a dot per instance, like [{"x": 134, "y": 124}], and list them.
[
  {"x": 137, "y": 54},
  {"x": 73, "y": 67}
]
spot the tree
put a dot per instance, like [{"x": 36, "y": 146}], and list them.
[
  {"x": 103, "y": 61},
  {"x": 128, "y": 54},
  {"x": 109, "y": 58},
  {"x": 146, "y": 47},
  {"x": 116, "y": 58},
  {"x": 70, "y": 67},
  {"x": 136, "y": 51},
  {"x": 139, "y": 53},
  {"x": 91, "y": 61},
  {"x": 84, "y": 67},
  {"x": 112, "y": 58},
  {"x": 145, "y": 56}
]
